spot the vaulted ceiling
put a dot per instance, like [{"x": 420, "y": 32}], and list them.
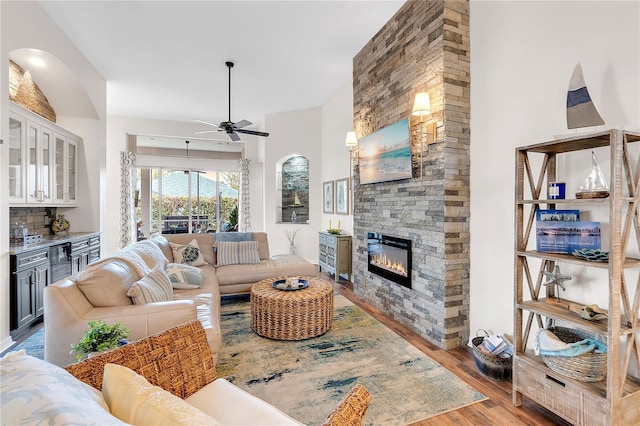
[{"x": 166, "y": 59}]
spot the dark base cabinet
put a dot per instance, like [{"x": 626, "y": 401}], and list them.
[
  {"x": 31, "y": 272},
  {"x": 30, "y": 275},
  {"x": 83, "y": 252}
]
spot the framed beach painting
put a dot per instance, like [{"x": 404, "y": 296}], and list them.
[
  {"x": 327, "y": 197},
  {"x": 342, "y": 196},
  {"x": 385, "y": 154}
]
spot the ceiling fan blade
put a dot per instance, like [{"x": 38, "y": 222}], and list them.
[
  {"x": 206, "y": 122},
  {"x": 234, "y": 136},
  {"x": 253, "y": 132},
  {"x": 242, "y": 123},
  {"x": 206, "y": 131}
]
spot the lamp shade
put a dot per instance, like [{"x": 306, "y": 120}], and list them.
[
  {"x": 421, "y": 104},
  {"x": 351, "y": 141}
]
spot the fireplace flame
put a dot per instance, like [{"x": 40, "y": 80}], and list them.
[{"x": 385, "y": 263}]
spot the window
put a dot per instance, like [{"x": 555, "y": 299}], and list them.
[{"x": 171, "y": 201}]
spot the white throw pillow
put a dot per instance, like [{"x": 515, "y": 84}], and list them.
[
  {"x": 189, "y": 254},
  {"x": 134, "y": 400},
  {"x": 184, "y": 277},
  {"x": 37, "y": 392},
  {"x": 237, "y": 253},
  {"x": 155, "y": 287}
]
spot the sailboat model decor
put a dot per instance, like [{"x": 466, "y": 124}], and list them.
[
  {"x": 296, "y": 200},
  {"x": 580, "y": 109},
  {"x": 594, "y": 186}
]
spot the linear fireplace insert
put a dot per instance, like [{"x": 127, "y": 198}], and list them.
[{"x": 389, "y": 257}]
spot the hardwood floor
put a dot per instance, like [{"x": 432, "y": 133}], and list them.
[{"x": 496, "y": 410}]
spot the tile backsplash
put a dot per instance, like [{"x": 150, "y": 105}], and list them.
[{"x": 36, "y": 219}]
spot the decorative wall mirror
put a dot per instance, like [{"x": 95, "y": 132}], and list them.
[{"x": 292, "y": 184}]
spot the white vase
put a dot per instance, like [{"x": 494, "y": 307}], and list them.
[{"x": 292, "y": 249}]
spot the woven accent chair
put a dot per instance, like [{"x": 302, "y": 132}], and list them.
[{"x": 179, "y": 360}]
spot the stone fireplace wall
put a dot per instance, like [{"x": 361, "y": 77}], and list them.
[{"x": 424, "y": 47}]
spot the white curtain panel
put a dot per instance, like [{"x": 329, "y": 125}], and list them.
[
  {"x": 127, "y": 203},
  {"x": 244, "y": 208}
]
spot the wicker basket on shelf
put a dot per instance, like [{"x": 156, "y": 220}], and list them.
[{"x": 590, "y": 367}]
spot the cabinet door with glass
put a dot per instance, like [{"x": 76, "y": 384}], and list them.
[
  {"x": 17, "y": 159},
  {"x": 65, "y": 166},
  {"x": 39, "y": 140}
]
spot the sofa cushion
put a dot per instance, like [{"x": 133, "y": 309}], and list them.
[
  {"x": 154, "y": 287},
  {"x": 184, "y": 277},
  {"x": 134, "y": 400},
  {"x": 163, "y": 245},
  {"x": 231, "y": 405},
  {"x": 189, "y": 254},
  {"x": 149, "y": 252},
  {"x": 37, "y": 392},
  {"x": 237, "y": 253},
  {"x": 106, "y": 282},
  {"x": 278, "y": 266}
]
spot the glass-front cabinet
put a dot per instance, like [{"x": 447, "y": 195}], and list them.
[
  {"x": 43, "y": 160},
  {"x": 65, "y": 160},
  {"x": 38, "y": 174},
  {"x": 17, "y": 182}
]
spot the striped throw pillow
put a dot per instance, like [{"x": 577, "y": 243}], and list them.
[
  {"x": 154, "y": 287},
  {"x": 237, "y": 253}
]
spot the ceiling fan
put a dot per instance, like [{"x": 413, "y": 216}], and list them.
[{"x": 231, "y": 128}]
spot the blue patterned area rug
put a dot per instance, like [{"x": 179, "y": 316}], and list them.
[
  {"x": 33, "y": 345},
  {"x": 307, "y": 379}
]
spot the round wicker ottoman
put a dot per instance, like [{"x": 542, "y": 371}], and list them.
[{"x": 291, "y": 315}]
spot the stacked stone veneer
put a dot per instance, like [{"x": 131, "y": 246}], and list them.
[{"x": 424, "y": 47}]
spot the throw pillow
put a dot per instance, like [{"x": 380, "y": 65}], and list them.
[
  {"x": 189, "y": 254},
  {"x": 237, "y": 253},
  {"x": 134, "y": 400},
  {"x": 37, "y": 392},
  {"x": 184, "y": 277},
  {"x": 155, "y": 287}
]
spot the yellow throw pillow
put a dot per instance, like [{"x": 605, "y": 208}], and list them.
[{"x": 132, "y": 399}]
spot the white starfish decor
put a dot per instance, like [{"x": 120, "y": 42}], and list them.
[{"x": 556, "y": 278}]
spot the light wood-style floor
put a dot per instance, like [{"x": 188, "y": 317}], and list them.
[{"x": 496, "y": 410}]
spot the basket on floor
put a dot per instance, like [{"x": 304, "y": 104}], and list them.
[
  {"x": 590, "y": 367},
  {"x": 494, "y": 367}
]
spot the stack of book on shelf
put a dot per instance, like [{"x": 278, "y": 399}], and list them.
[
  {"x": 561, "y": 231},
  {"x": 496, "y": 345}
]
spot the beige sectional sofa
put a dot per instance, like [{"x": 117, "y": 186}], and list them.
[{"x": 100, "y": 291}]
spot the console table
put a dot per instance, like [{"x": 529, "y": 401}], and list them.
[{"x": 335, "y": 255}]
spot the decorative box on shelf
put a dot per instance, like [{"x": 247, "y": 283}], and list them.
[{"x": 566, "y": 237}]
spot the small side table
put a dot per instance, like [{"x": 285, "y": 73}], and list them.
[
  {"x": 291, "y": 315},
  {"x": 335, "y": 255}
]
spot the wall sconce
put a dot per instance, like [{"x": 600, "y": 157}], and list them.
[
  {"x": 351, "y": 141},
  {"x": 422, "y": 107}
]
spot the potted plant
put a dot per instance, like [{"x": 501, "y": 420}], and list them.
[{"x": 100, "y": 337}]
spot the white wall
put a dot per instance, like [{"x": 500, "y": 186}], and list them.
[
  {"x": 293, "y": 133},
  {"x": 522, "y": 57},
  {"x": 337, "y": 120},
  {"x": 26, "y": 25}
]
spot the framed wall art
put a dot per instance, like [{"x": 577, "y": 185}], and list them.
[
  {"x": 342, "y": 196},
  {"x": 386, "y": 154},
  {"x": 327, "y": 197}
]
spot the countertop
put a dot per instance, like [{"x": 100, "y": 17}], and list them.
[{"x": 50, "y": 240}]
